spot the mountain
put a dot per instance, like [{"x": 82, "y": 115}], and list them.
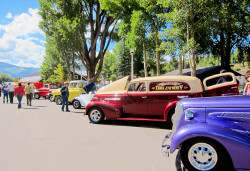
[{"x": 16, "y": 71}]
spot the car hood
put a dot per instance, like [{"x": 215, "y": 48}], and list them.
[
  {"x": 217, "y": 102},
  {"x": 115, "y": 87}
]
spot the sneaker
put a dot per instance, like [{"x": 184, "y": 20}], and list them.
[{"x": 67, "y": 110}]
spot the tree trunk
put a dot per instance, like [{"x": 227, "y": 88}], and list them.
[
  {"x": 180, "y": 58},
  {"x": 157, "y": 45},
  {"x": 145, "y": 60}
]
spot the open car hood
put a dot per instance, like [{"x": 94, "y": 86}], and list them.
[{"x": 115, "y": 87}]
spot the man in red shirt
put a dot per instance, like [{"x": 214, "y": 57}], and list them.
[{"x": 19, "y": 92}]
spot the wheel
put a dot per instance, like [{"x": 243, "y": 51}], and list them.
[
  {"x": 96, "y": 115},
  {"x": 170, "y": 118},
  {"x": 51, "y": 98},
  {"x": 58, "y": 100},
  {"x": 76, "y": 104},
  {"x": 37, "y": 96},
  {"x": 199, "y": 155}
]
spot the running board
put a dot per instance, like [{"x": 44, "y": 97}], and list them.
[{"x": 141, "y": 119}]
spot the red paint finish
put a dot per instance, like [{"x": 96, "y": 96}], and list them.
[
  {"x": 151, "y": 105},
  {"x": 223, "y": 91}
]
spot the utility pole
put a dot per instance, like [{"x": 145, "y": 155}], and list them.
[{"x": 132, "y": 63}]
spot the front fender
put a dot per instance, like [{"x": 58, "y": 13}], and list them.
[
  {"x": 235, "y": 143},
  {"x": 110, "y": 110},
  {"x": 170, "y": 106}
]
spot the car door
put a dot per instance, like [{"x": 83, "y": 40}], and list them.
[
  {"x": 135, "y": 100},
  {"x": 223, "y": 84}
]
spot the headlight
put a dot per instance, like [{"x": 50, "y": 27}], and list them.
[{"x": 189, "y": 115}]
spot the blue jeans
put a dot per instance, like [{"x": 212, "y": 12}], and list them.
[
  {"x": 19, "y": 98},
  {"x": 65, "y": 102},
  {"x": 7, "y": 96}
]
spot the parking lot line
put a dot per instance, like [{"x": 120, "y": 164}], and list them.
[{"x": 18, "y": 113}]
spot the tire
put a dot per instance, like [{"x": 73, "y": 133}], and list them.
[
  {"x": 96, "y": 115},
  {"x": 37, "y": 96},
  {"x": 76, "y": 104},
  {"x": 201, "y": 155},
  {"x": 51, "y": 98},
  {"x": 170, "y": 118},
  {"x": 58, "y": 100}
]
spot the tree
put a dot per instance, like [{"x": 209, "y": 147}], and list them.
[
  {"x": 229, "y": 28},
  {"x": 110, "y": 68},
  {"x": 5, "y": 78},
  {"x": 86, "y": 24}
]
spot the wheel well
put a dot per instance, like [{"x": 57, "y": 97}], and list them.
[
  {"x": 92, "y": 108},
  {"x": 212, "y": 140}
]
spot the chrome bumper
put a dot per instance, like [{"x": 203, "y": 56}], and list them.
[{"x": 165, "y": 147}]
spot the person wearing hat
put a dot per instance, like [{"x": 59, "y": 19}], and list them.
[
  {"x": 247, "y": 86},
  {"x": 65, "y": 96}
]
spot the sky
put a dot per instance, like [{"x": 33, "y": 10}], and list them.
[{"x": 21, "y": 40}]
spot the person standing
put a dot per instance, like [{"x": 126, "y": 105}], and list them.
[
  {"x": 0, "y": 90},
  {"x": 65, "y": 96},
  {"x": 247, "y": 86},
  {"x": 11, "y": 92},
  {"x": 28, "y": 92},
  {"x": 5, "y": 92},
  {"x": 19, "y": 93}
]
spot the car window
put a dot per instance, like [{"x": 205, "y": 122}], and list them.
[
  {"x": 53, "y": 86},
  {"x": 219, "y": 80},
  {"x": 137, "y": 87},
  {"x": 168, "y": 86},
  {"x": 73, "y": 85},
  {"x": 46, "y": 86},
  {"x": 81, "y": 85}
]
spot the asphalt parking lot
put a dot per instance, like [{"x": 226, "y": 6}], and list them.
[{"x": 43, "y": 138}]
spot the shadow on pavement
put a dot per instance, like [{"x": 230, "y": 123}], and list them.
[
  {"x": 29, "y": 108},
  {"x": 143, "y": 124}
]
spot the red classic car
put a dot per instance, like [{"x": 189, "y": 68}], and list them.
[
  {"x": 154, "y": 98},
  {"x": 43, "y": 90}
]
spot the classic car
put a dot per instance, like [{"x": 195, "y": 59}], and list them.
[
  {"x": 75, "y": 88},
  {"x": 82, "y": 100},
  {"x": 213, "y": 133},
  {"x": 153, "y": 98},
  {"x": 45, "y": 90}
]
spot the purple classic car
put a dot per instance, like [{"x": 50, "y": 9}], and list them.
[{"x": 212, "y": 133}]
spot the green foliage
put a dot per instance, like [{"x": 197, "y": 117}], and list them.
[
  {"x": 109, "y": 70},
  {"x": 5, "y": 78}
]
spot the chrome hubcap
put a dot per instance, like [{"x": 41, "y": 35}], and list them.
[
  {"x": 202, "y": 156},
  {"x": 76, "y": 104},
  {"x": 95, "y": 115}
]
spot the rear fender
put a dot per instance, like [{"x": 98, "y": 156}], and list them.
[
  {"x": 111, "y": 111},
  {"x": 169, "y": 107},
  {"x": 234, "y": 142}
]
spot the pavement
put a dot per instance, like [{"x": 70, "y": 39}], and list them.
[{"x": 43, "y": 138}]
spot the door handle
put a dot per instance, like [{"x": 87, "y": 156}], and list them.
[{"x": 144, "y": 97}]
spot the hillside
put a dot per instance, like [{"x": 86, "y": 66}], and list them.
[{"x": 16, "y": 71}]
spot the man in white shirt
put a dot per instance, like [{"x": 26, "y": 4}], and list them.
[{"x": 11, "y": 92}]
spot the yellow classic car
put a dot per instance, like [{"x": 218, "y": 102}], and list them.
[{"x": 75, "y": 89}]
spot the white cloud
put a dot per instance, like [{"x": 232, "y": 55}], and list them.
[
  {"x": 22, "y": 41},
  {"x": 9, "y": 16}
]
